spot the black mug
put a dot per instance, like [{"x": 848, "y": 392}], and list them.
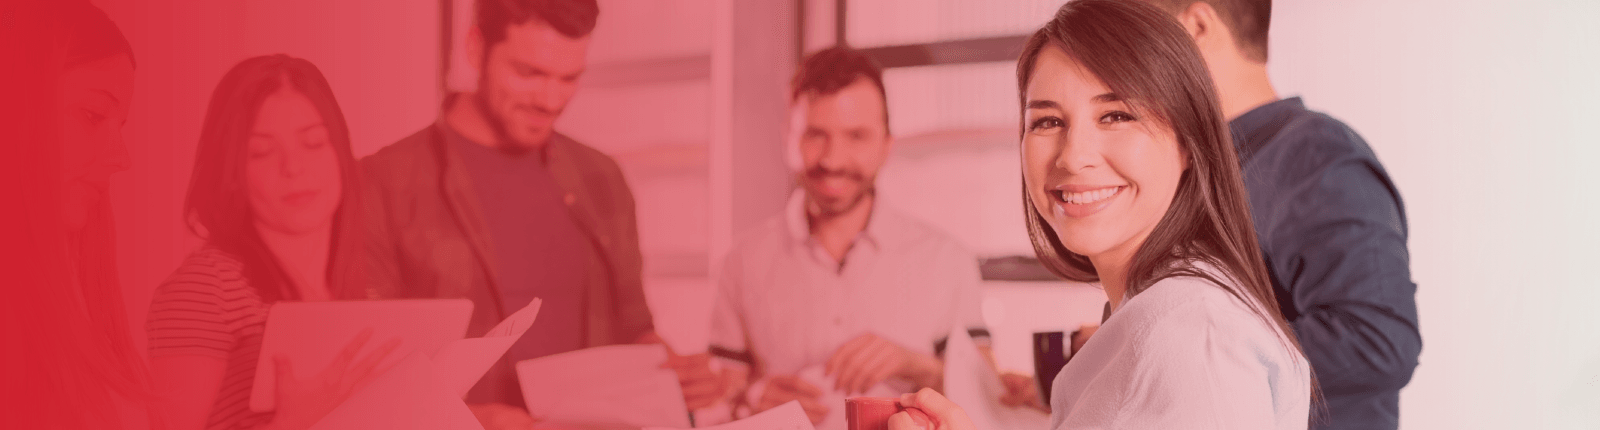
[{"x": 1050, "y": 354}]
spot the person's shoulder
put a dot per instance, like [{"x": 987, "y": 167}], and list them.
[
  {"x": 915, "y": 233},
  {"x": 1322, "y": 136},
  {"x": 212, "y": 260},
  {"x": 754, "y": 251},
  {"x": 1183, "y": 305},
  {"x": 404, "y": 153},
  {"x": 208, "y": 270},
  {"x": 766, "y": 235}
]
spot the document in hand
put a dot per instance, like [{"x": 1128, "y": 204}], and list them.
[
  {"x": 408, "y": 396},
  {"x": 311, "y": 334},
  {"x": 971, "y": 382},
  {"x": 618, "y": 386},
  {"x": 425, "y": 394},
  {"x": 788, "y": 416}
]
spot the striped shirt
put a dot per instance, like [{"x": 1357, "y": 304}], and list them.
[{"x": 208, "y": 308}]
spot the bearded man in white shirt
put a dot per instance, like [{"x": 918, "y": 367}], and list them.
[{"x": 839, "y": 295}]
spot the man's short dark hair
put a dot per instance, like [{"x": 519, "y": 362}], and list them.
[
  {"x": 827, "y": 71},
  {"x": 572, "y": 18},
  {"x": 1247, "y": 19}
]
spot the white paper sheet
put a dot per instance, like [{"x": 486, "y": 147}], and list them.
[
  {"x": 788, "y": 416},
  {"x": 971, "y": 382},
  {"x": 619, "y": 386},
  {"x": 462, "y": 363},
  {"x": 406, "y": 397},
  {"x": 311, "y": 334},
  {"x": 425, "y": 393}
]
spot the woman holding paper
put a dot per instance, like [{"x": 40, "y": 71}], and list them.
[
  {"x": 275, "y": 195},
  {"x": 1130, "y": 180}
]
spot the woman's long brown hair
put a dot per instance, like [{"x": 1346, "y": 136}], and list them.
[
  {"x": 218, "y": 204},
  {"x": 1140, "y": 52},
  {"x": 70, "y": 360}
]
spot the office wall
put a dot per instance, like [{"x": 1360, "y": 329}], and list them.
[{"x": 1483, "y": 113}]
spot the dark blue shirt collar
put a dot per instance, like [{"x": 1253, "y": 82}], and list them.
[{"x": 1254, "y": 128}]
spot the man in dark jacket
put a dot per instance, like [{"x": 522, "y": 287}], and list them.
[
  {"x": 1331, "y": 223},
  {"x": 489, "y": 203}
]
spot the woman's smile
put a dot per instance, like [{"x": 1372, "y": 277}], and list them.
[{"x": 1071, "y": 201}]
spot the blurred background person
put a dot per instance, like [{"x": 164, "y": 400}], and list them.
[
  {"x": 67, "y": 90},
  {"x": 840, "y": 295},
  {"x": 275, "y": 193},
  {"x": 490, "y": 203},
  {"x": 1331, "y": 223},
  {"x": 1131, "y": 181}
]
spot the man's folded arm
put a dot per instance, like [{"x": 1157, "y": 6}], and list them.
[{"x": 1339, "y": 246}]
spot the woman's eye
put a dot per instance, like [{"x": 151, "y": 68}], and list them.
[
  {"x": 315, "y": 143},
  {"x": 258, "y": 152},
  {"x": 1115, "y": 117},
  {"x": 1045, "y": 123}
]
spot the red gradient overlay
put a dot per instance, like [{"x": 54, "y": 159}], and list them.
[{"x": 1463, "y": 101}]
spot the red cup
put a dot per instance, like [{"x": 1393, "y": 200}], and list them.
[{"x": 870, "y": 413}]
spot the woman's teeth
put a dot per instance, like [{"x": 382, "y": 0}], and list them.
[{"x": 1088, "y": 197}]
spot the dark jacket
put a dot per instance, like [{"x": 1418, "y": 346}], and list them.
[
  {"x": 428, "y": 239},
  {"x": 1333, "y": 231}
]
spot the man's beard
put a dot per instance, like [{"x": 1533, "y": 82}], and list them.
[
  {"x": 830, "y": 207},
  {"x": 503, "y": 140},
  {"x": 497, "y": 122}
]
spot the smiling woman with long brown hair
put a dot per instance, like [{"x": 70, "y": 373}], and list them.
[{"x": 1130, "y": 181}]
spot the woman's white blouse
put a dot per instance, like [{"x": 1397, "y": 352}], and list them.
[{"x": 1183, "y": 354}]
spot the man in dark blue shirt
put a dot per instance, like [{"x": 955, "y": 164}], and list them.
[{"x": 1331, "y": 224}]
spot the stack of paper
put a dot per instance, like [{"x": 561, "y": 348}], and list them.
[{"x": 619, "y": 386}]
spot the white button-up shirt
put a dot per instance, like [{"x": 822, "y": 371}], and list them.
[{"x": 785, "y": 301}]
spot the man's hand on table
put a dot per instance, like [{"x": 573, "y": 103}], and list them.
[
  {"x": 868, "y": 359},
  {"x": 782, "y": 389},
  {"x": 702, "y": 387}
]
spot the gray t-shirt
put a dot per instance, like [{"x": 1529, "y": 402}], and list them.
[{"x": 539, "y": 248}]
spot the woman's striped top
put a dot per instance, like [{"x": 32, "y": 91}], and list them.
[{"x": 208, "y": 308}]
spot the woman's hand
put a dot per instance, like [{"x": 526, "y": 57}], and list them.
[
  {"x": 929, "y": 410},
  {"x": 303, "y": 402}
]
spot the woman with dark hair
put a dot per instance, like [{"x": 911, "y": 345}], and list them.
[
  {"x": 1130, "y": 181},
  {"x": 68, "y": 80},
  {"x": 275, "y": 195}
]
